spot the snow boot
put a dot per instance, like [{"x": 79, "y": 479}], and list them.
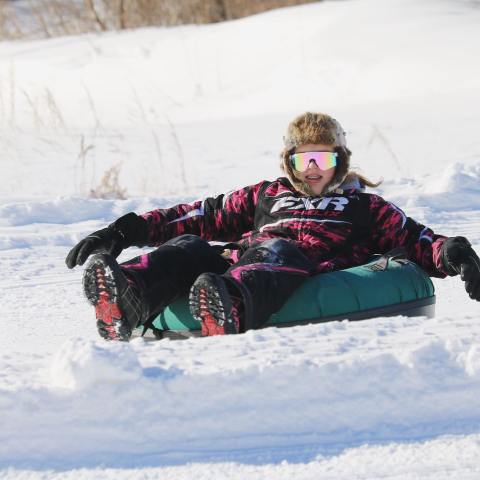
[
  {"x": 116, "y": 298},
  {"x": 211, "y": 303}
]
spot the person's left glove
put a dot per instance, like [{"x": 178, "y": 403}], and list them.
[
  {"x": 458, "y": 257},
  {"x": 124, "y": 232}
]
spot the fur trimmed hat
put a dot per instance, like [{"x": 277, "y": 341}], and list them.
[{"x": 316, "y": 128}]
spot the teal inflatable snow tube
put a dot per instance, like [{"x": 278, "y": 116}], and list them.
[{"x": 388, "y": 285}]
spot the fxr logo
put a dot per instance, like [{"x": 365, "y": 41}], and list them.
[{"x": 294, "y": 203}]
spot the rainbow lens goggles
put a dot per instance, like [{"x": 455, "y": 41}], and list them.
[{"x": 323, "y": 160}]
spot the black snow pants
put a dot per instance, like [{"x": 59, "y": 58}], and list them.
[{"x": 265, "y": 274}]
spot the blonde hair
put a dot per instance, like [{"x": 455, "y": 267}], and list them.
[{"x": 362, "y": 179}]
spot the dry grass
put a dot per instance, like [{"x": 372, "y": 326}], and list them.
[
  {"x": 109, "y": 187},
  {"x": 49, "y": 18}
]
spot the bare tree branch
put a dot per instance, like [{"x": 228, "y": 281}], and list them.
[
  {"x": 90, "y": 5},
  {"x": 123, "y": 15}
]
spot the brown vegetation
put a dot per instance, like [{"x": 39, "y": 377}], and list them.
[{"x": 48, "y": 18}]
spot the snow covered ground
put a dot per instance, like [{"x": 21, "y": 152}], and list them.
[{"x": 185, "y": 112}]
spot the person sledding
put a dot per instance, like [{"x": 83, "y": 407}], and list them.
[{"x": 315, "y": 219}]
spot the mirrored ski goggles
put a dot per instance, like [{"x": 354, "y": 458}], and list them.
[{"x": 323, "y": 160}]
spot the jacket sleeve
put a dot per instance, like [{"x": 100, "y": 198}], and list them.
[
  {"x": 224, "y": 217},
  {"x": 391, "y": 228}
]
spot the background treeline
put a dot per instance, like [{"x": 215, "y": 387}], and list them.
[{"x": 49, "y": 18}]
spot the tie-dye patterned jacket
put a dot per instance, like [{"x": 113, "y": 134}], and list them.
[{"x": 336, "y": 231}]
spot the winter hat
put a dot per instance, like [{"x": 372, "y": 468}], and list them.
[{"x": 316, "y": 128}]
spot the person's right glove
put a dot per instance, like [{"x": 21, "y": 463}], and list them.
[
  {"x": 122, "y": 233},
  {"x": 458, "y": 257}
]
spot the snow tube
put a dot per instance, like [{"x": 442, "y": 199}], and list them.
[{"x": 388, "y": 285}]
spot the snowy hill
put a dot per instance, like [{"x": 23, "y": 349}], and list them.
[{"x": 189, "y": 111}]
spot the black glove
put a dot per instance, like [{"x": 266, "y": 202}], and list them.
[
  {"x": 458, "y": 257},
  {"x": 122, "y": 233}
]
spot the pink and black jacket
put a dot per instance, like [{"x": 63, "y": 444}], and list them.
[{"x": 336, "y": 231}]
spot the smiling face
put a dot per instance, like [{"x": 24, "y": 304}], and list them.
[{"x": 315, "y": 178}]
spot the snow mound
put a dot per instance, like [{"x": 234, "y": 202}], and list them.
[
  {"x": 454, "y": 188},
  {"x": 70, "y": 210},
  {"x": 80, "y": 364},
  {"x": 60, "y": 210},
  {"x": 284, "y": 392},
  {"x": 459, "y": 177},
  {"x": 471, "y": 360},
  {"x": 65, "y": 220}
]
